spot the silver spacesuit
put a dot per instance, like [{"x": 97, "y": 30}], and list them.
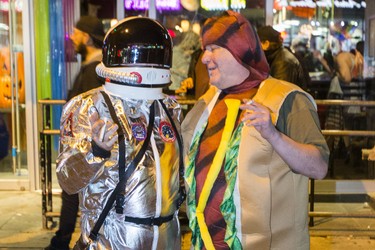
[{"x": 136, "y": 61}]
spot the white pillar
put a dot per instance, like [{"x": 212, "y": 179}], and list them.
[
  {"x": 269, "y": 11},
  {"x": 120, "y": 9},
  {"x": 152, "y": 9}
]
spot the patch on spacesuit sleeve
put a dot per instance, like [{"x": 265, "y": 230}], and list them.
[
  {"x": 68, "y": 126},
  {"x": 139, "y": 131},
  {"x": 166, "y": 132}
]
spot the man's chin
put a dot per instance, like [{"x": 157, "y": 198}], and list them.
[{"x": 216, "y": 84}]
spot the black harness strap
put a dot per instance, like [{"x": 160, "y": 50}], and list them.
[
  {"x": 123, "y": 176},
  {"x": 150, "y": 221}
]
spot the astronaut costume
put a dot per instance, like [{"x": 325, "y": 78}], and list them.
[{"x": 136, "y": 64}]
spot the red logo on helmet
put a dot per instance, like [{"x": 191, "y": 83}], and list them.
[{"x": 139, "y": 77}]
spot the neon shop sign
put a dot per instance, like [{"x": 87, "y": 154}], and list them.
[
  {"x": 160, "y": 4},
  {"x": 348, "y": 4}
]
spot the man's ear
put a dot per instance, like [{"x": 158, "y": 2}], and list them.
[{"x": 265, "y": 44}]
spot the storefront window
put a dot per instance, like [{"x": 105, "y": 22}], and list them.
[
  {"x": 12, "y": 92},
  {"x": 324, "y": 26},
  {"x": 328, "y": 37}
]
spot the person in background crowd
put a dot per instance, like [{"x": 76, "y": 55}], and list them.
[
  {"x": 251, "y": 144},
  {"x": 347, "y": 67},
  {"x": 182, "y": 56},
  {"x": 87, "y": 39},
  {"x": 120, "y": 147},
  {"x": 197, "y": 81},
  {"x": 306, "y": 57},
  {"x": 326, "y": 60},
  {"x": 359, "y": 61},
  {"x": 346, "y": 64},
  {"x": 283, "y": 64}
]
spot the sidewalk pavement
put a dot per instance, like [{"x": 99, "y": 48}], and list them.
[{"x": 21, "y": 224}]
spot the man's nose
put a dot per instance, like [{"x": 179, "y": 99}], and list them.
[{"x": 206, "y": 57}]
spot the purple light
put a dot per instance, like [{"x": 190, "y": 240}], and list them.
[
  {"x": 168, "y": 5},
  {"x": 160, "y": 4},
  {"x": 136, "y": 4}
]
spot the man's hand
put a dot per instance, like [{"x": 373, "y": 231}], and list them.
[
  {"x": 259, "y": 116},
  {"x": 185, "y": 85},
  {"x": 304, "y": 159},
  {"x": 107, "y": 128}
]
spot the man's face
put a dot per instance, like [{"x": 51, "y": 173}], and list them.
[
  {"x": 79, "y": 40},
  {"x": 223, "y": 69}
]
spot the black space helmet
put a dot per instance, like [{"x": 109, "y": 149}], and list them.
[{"x": 137, "y": 52}]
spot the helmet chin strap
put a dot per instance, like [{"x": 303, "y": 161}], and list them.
[{"x": 130, "y": 92}]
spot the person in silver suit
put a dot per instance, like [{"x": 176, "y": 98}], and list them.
[{"x": 120, "y": 145}]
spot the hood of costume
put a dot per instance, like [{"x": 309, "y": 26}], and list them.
[{"x": 235, "y": 33}]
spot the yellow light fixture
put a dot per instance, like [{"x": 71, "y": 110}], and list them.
[{"x": 185, "y": 25}]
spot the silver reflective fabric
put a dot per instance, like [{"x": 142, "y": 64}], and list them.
[{"x": 151, "y": 191}]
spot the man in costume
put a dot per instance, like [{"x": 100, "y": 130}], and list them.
[
  {"x": 120, "y": 145},
  {"x": 247, "y": 165}
]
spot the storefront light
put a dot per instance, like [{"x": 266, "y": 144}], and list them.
[
  {"x": 178, "y": 28},
  {"x": 315, "y": 23},
  {"x": 185, "y": 25},
  {"x": 354, "y": 23},
  {"x": 238, "y": 4},
  {"x": 4, "y": 5},
  {"x": 113, "y": 22},
  {"x": 214, "y": 4},
  {"x": 348, "y": 4},
  {"x": 196, "y": 28},
  {"x": 3, "y": 26},
  {"x": 292, "y": 22},
  {"x": 168, "y": 5},
  {"x": 160, "y": 4},
  {"x": 281, "y": 27}
]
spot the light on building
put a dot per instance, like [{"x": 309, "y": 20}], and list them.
[
  {"x": 113, "y": 22},
  {"x": 196, "y": 28},
  {"x": 185, "y": 25},
  {"x": 238, "y": 4},
  {"x": 214, "y": 4}
]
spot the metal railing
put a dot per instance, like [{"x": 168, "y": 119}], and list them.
[
  {"x": 46, "y": 153},
  {"x": 364, "y": 133},
  {"x": 45, "y": 134}
]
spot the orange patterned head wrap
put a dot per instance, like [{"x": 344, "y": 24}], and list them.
[{"x": 234, "y": 32}]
